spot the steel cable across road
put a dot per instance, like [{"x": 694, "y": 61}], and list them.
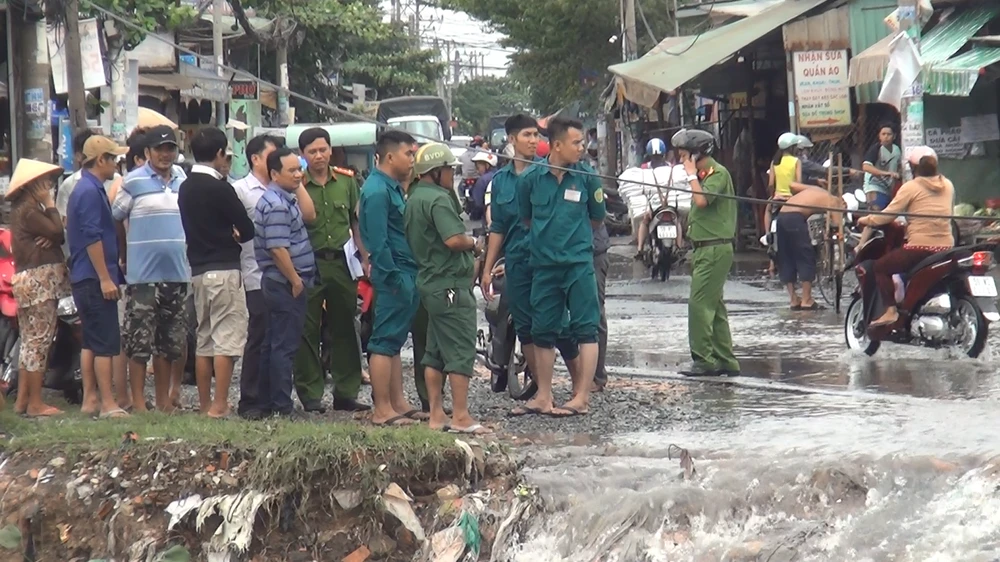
[{"x": 361, "y": 118}]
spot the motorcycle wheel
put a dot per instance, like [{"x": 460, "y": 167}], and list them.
[
  {"x": 856, "y": 316},
  {"x": 971, "y": 315},
  {"x": 520, "y": 383},
  {"x": 665, "y": 262},
  {"x": 498, "y": 380}
]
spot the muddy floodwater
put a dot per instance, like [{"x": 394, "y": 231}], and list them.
[{"x": 814, "y": 453}]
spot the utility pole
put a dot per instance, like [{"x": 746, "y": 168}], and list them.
[
  {"x": 457, "y": 68},
  {"x": 282, "y": 60},
  {"x": 680, "y": 90},
  {"x": 911, "y": 108},
  {"x": 629, "y": 44},
  {"x": 217, "y": 50},
  {"x": 74, "y": 67}
]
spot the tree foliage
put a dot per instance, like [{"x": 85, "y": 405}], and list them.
[
  {"x": 345, "y": 41},
  {"x": 562, "y": 46},
  {"x": 476, "y": 100},
  {"x": 149, "y": 15}
]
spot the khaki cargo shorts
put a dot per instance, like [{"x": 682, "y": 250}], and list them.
[{"x": 221, "y": 308}]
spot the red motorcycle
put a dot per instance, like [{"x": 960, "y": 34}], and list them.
[
  {"x": 946, "y": 300},
  {"x": 63, "y": 373}
]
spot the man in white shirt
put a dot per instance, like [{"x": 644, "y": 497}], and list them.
[
  {"x": 641, "y": 187},
  {"x": 249, "y": 190}
]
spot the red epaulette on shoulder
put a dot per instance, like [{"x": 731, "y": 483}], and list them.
[{"x": 344, "y": 171}]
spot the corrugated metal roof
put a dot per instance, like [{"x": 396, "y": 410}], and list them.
[
  {"x": 868, "y": 28},
  {"x": 741, "y": 8},
  {"x": 947, "y": 38},
  {"x": 822, "y": 32},
  {"x": 958, "y": 76},
  {"x": 666, "y": 71},
  {"x": 937, "y": 46}
]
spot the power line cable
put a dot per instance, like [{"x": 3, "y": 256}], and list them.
[
  {"x": 361, "y": 118},
  {"x": 696, "y": 37}
]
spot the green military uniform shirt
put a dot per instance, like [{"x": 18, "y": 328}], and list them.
[
  {"x": 504, "y": 215},
  {"x": 336, "y": 206},
  {"x": 432, "y": 216},
  {"x": 560, "y": 213},
  {"x": 717, "y": 220}
]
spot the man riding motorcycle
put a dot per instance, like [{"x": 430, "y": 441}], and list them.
[{"x": 640, "y": 188}]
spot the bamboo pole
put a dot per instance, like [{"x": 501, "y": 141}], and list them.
[{"x": 840, "y": 229}]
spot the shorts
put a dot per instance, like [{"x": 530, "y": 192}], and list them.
[
  {"x": 37, "y": 324},
  {"x": 98, "y": 319},
  {"x": 395, "y": 308},
  {"x": 155, "y": 322},
  {"x": 881, "y": 200},
  {"x": 451, "y": 331},
  {"x": 796, "y": 253},
  {"x": 221, "y": 307}
]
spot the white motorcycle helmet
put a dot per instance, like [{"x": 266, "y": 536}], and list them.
[
  {"x": 787, "y": 140},
  {"x": 487, "y": 157}
]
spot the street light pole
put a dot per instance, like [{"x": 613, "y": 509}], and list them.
[
  {"x": 911, "y": 107},
  {"x": 217, "y": 50}
]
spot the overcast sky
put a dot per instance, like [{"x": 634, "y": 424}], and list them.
[{"x": 469, "y": 36}]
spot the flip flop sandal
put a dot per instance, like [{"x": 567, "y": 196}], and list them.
[
  {"x": 572, "y": 413},
  {"x": 393, "y": 422},
  {"x": 115, "y": 414},
  {"x": 525, "y": 411},
  {"x": 814, "y": 306},
  {"x": 417, "y": 415},
  {"x": 474, "y": 429}
]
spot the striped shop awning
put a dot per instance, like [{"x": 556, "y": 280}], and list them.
[{"x": 958, "y": 75}]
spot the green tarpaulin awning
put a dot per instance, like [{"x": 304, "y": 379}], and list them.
[
  {"x": 957, "y": 76},
  {"x": 645, "y": 78}
]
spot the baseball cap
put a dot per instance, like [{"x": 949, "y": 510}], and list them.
[
  {"x": 161, "y": 135},
  {"x": 97, "y": 146}
]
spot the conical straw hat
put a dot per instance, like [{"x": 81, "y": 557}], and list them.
[
  {"x": 27, "y": 171},
  {"x": 149, "y": 119}
]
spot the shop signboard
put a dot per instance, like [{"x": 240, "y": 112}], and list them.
[
  {"x": 244, "y": 90},
  {"x": 821, "y": 89},
  {"x": 90, "y": 55}
]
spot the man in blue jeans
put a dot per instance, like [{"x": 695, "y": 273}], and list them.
[{"x": 288, "y": 267}]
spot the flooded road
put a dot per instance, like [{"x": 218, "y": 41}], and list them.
[{"x": 813, "y": 454}]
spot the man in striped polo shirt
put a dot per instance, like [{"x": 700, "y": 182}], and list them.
[
  {"x": 288, "y": 267},
  {"x": 156, "y": 267}
]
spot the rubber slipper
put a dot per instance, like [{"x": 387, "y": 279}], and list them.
[
  {"x": 813, "y": 306},
  {"x": 117, "y": 413},
  {"x": 795, "y": 307},
  {"x": 882, "y": 323},
  {"x": 417, "y": 415},
  {"x": 572, "y": 413},
  {"x": 474, "y": 429},
  {"x": 393, "y": 422},
  {"x": 525, "y": 411}
]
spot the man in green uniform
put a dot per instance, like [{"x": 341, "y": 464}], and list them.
[
  {"x": 445, "y": 275},
  {"x": 335, "y": 194},
  {"x": 562, "y": 204},
  {"x": 393, "y": 275},
  {"x": 711, "y": 229},
  {"x": 509, "y": 239}
]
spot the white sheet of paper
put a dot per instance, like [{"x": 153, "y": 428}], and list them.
[
  {"x": 353, "y": 263},
  {"x": 904, "y": 67}
]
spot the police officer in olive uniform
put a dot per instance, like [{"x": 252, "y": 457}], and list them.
[
  {"x": 711, "y": 230},
  {"x": 335, "y": 193},
  {"x": 562, "y": 204},
  {"x": 445, "y": 258}
]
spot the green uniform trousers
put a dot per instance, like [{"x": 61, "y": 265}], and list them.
[
  {"x": 340, "y": 293},
  {"x": 388, "y": 335},
  {"x": 708, "y": 324},
  {"x": 557, "y": 290},
  {"x": 451, "y": 331}
]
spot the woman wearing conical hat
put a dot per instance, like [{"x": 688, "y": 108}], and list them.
[{"x": 41, "y": 277}]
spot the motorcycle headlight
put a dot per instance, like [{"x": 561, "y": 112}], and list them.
[{"x": 66, "y": 307}]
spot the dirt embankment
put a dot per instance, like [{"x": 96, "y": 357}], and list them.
[{"x": 170, "y": 501}]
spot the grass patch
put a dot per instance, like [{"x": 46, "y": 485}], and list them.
[{"x": 283, "y": 456}]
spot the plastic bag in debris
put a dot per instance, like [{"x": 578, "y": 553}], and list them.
[
  {"x": 398, "y": 503},
  {"x": 238, "y": 511}
]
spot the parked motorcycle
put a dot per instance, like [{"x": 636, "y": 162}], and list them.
[
  {"x": 662, "y": 243},
  {"x": 948, "y": 299},
  {"x": 63, "y": 373},
  {"x": 500, "y": 349},
  {"x": 616, "y": 218}
]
